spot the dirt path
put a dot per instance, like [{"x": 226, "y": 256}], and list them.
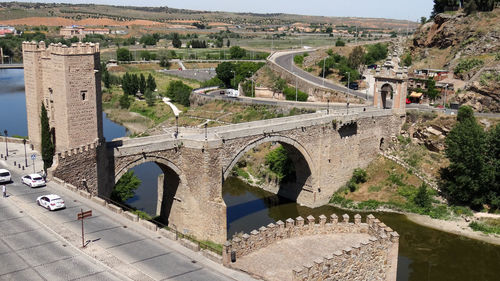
[{"x": 459, "y": 227}]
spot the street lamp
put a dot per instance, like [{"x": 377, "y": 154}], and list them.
[
  {"x": 324, "y": 61},
  {"x": 6, "y": 148},
  {"x": 206, "y": 133},
  {"x": 348, "y": 90},
  {"x": 25, "y": 157},
  {"x": 444, "y": 101},
  {"x": 176, "y": 125}
]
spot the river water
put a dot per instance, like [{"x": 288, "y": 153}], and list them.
[{"x": 424, "y": 253}]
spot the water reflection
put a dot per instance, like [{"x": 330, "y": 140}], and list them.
[{"x": 424, "y": 253}]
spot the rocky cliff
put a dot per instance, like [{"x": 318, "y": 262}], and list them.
[{"x": 468, "y": 46}]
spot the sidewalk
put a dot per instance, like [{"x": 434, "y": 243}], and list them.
[{"x": 124, "y": 246}]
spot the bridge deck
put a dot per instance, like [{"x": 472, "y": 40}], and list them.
[{"x": 276, "y": 261}]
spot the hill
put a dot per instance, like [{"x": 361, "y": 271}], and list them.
[
  {"x": 18, "y": 10},
  {"x": 468, "y": 46}
]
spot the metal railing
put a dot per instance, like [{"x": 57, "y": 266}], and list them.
[{"x": 178, "y": 235}]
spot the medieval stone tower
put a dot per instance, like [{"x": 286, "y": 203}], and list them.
[
  {"x": 389, "y": 91},
  {"x": 68, "y": 82}
]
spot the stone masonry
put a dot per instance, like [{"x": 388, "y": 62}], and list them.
[
  {"x": 375, "y": 258},
  {"x": 68, "y": 82}
]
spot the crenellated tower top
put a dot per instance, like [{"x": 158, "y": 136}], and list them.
[{"x": 60, "y": 49}]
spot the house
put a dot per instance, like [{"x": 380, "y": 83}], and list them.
[{"x": 5, "y": 29}]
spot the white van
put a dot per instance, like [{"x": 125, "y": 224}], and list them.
[{"x": 4, "y": 176}]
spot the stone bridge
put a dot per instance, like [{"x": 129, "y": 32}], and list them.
[{"x": 325, "y": 149}]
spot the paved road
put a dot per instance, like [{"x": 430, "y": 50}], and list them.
[
  {"x": 35, "y": 253},
  {"x": 29, "y": 251},
  {"x": 286, "y": 61}
]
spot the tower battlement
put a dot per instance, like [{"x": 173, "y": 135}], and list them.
[{"x": 60, "y": 49}]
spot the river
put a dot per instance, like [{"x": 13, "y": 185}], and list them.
[{"x": 424, "y": 253}]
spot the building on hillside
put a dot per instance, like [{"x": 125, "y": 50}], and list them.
[
  {"x": 67, "y": 81},
  {"x": 80, "y": 31},
  {"x": 5, "y": 29}
]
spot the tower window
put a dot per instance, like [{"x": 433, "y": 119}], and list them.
[{"x": 84, "y": 95}]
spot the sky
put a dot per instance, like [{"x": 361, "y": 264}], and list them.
[{"x": 395, "y": 9}]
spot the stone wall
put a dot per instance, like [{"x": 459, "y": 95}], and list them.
[{"x": 373, "y": 259}]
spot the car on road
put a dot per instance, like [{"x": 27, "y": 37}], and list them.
[
  {"x": 51, "y": 202},
  {"x": 33, "y": 180},
  {"x": 353, "y": 86},
  {"x": 5, "y": 176}
]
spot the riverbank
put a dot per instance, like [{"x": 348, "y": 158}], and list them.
[{"x": 458, "y": 227}]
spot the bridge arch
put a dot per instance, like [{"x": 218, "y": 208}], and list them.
[
  {"x": 167, "y": 192},
  {"x": 304, "y": 165}
]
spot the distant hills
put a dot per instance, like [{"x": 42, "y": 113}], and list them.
[{"x": 76, "y": 12}]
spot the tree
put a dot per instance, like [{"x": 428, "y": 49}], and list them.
[
  {"x": 279, "y": 163},
  {"x": 48, "y": 148},
  {"x": 106, "y": 79},
  {"x": 164, "y": 62},
  {"x": 470, "y": 177},
  {"x": 125, "y": 187},
  {"x": 151, "y": 83},
  {"x": 124, "y": 101},
  {"x": 432, "y": 91},
  {"x": 176, "y": 42},
  {"x": 228, "y": 43},
  {"x": 279, "y": 85},
  {"x": 126, "y": 83},
  {"x": 237, "y": 52},
  {"x": 179, "y": 92},
  {"x": 123, "y": 54},
  {"x": 339, "y": 43},
  {"x": 356, "y": 57},
  {"x": 134, "y": 84},
  {"x": 423, "y": 198},
  {"x": 150, "y": 97},
  {"x": 225, "y": 72},
  {"x": 423, "y": 20},
  {"x": 142, "y": 84},
  {"x": 407, "y": 60}
]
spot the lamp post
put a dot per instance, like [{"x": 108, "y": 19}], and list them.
[
  {"x": 324, "y": 61},
  {"x": 296, "y": 89},
  {"x": 444, "y": 101},
  {"x": 348, "y": 90},
  {"x": 6, "y": 148},
  {"x": 253, "y": 90},
  {"x": 206, "y": 133},
  {"x": 176, "y": 125},
  {"x": 25, "y": 157}
]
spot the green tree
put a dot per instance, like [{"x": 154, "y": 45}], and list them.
[
  {"x": 280, "y": 164},
  {"x": 176, "y": 41},
  {"x": 407, "y": 60},
  {"x": 432, "y": 91},
  {"x": 179, "y": 92},
  {"x": 134, "y": 84},
  {"x": 124, "y": 101},
  {"x": 356, "y": 57},
  {"x": 150, "y": 97},
  {"x": 469, "y": 177},
  {"x": 423, "y": 20},
  {"x": 123, "y": 54},
  {"x": 142, "y": 84},
  {"x": 236, "y": 52},
  {"x": 125, "y": 187},
  {"x": 228, "y": 43},
  {"x": 339, "y": 43},
  {"x": 279, "y": 85},
  {"x": 493, "y": 159},
  {"x": 48, "y": 148},
  {"x": 106, "y": 79},
  {"x": 329, "y": 29},
  {"x": 164, "y": 62},
  {"x": 225, "y": 72},
  {"x": 151, "y": 83},
  {"x": 423, "y": 198}
]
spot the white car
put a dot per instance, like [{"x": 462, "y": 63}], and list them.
[
  {"x": 5, "y": 176},
  {"x": 33, "y": 180},
  {"x": 51, "y": 202}
]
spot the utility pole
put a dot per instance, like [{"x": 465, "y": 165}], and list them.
[
  {"x": 348, "y": 90},
  {"x": 324, "y": 61},
  {"x": 296, "y": 89},
  {"x": 356, "y": 36}
]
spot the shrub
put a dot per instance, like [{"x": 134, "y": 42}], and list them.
[
  {"x": 422, "y": 199},
  {"x": 339, "y": 43},
  {"x": 466, "y": 65},
  {"x": 359, "y": 176},
  {"x": 291, "y": 94},
  {"x": 352, "y": 185}
]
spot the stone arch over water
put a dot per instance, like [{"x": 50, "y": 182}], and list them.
[
  {"x": 169, "y": 183},
  {"x": 302, "y": 161}
]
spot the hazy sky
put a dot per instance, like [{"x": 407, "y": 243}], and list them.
[{"x": 398, "y": 9}]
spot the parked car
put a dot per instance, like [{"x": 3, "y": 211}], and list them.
[
  {"x": 33, "y": 180},
  {"x": 353, "y": 86},
  {"x": 51, "y": 202},
  {"x": 5, "y": 176}
]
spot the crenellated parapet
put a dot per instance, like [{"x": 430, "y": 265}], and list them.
[
  {"x": 60, "y": 49},
  {"x": 364, "y": 259}
]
